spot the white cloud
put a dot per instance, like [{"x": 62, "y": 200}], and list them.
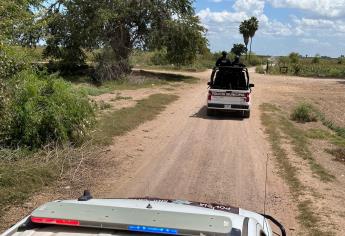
[
  {"x": 312, "y": 34},
  {"x": 227, "y": 22},
  {"x": 252, "y": 7},
  {"x": 329, "y": 8},
  {"x": 220, "y": 17},
  {"x": 217, "y": 1}
]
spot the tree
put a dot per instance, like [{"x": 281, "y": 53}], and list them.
[
  {"x": 244, "y": 30},
  {"x": 238, "y": 49},
  {"x": 253, "y": 26},
  {"x": 183, "y": 41},
  {"x": 19, "y": 21},
  {"x": 294, "y": 57},
  {"x": 120, "y": 26}
]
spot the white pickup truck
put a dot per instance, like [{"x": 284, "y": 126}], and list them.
[{"x": 229, "y": 90}]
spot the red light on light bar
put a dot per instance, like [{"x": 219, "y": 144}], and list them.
[{"x": 40, "y": 220}]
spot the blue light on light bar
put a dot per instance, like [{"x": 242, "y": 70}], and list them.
[{"x": 149, "y": 229}]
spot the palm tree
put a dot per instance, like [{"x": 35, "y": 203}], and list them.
[
  {"x": 244, "y": 30},
  {"x": 253, "y": 26}
]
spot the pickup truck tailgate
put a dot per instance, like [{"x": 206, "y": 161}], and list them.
[{"x": 229, "y": 96}]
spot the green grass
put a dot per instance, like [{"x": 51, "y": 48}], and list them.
[
  {"x": 298, "y": 139},
  {"x": 306, "y": 67},
  {"x": 309, "y": 219},
  {"x": 288, "y": 171},
  {"x": 318, "y": 134},
  {"x": 275, "y": 127},
  {"x": 145, "y": 80},
  {"x": 340, "y": 131},
  {"x": 322, "y": 134},
  {"x": 124, "y": 120},
  {"x": 149, "y": 60},
  {"x": 300, "y": 146}
]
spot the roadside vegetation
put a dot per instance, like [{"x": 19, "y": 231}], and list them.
[
  {"x": 278, "y": 129},
  {"x": 289, "y": 131},
  {"x": 303, "y": 113},
  {"x": 316, "y": 66}
]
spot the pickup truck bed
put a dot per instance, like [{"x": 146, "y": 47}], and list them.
[{"x": 229, "y": 90}]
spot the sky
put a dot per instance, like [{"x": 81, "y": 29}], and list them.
[{"x": 308, "y": 27}]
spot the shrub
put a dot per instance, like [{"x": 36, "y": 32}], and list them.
[
  {"x": 43, "y": 109},
  {"x": 304, "y": 113},
  {"x": 260, "y": 70}
]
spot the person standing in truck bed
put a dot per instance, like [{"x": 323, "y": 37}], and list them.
[{"x": 223, "y": 61}]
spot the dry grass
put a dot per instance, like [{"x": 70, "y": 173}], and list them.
[
  {"x": 275, "y": 126},
  {"x": 23, "y": 173},
  {"x": 119, "y": 122},
  {"x": 338, "y": 153}
]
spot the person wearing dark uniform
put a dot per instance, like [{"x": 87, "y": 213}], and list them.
[
  {"x": 223, "y": 61},
  {"x": 237, "y": 62},
  {"x": 238, "y": 80}
]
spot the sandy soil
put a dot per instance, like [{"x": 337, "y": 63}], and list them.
[{"x": 183, "y": 154}]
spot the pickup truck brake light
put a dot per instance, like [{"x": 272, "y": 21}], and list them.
[
  {"x": 40, "y": 220},
  {"x": 247, "y": 97},
  {"x": 209, "y": 97}
]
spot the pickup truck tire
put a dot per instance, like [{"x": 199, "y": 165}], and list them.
[
  {"x": 210, "y": 112},
  {"x": 246, "y": 114}
]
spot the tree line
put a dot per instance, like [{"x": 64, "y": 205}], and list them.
[{"x": 69, "y": 28}]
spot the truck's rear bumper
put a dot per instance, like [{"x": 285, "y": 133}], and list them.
[{"x": 230, "y": 107}]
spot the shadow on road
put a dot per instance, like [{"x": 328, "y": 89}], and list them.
[
  {"x": 219, "y": 115},
  {"x": 341, "y": 82}
]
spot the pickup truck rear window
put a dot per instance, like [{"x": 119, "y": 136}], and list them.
[{"x": 230, "y": 79}]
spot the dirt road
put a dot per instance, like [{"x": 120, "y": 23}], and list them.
[{"x": 184, "y": 154}]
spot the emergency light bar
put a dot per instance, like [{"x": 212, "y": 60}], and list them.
[{"x": 146, "y": 220}]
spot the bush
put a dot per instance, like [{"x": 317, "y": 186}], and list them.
[
  {"x": 304, "y": 113},
  {"x": 43, "y": 109},
  {"x": 260, "y": 70}
]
